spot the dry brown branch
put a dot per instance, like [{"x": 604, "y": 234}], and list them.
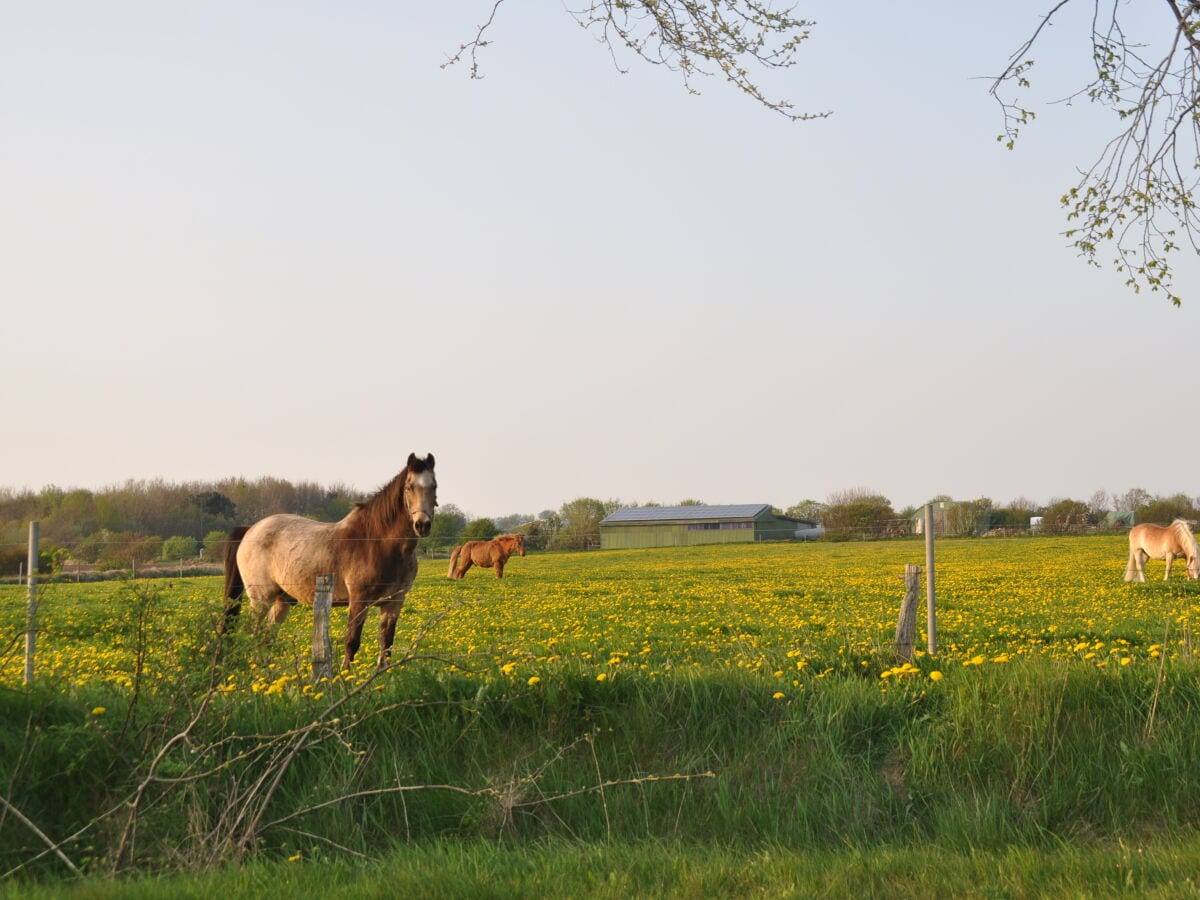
[{"x": 54, "y": 848}]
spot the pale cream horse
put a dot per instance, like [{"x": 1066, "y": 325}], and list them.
[{"x": 1162, "y": 542}]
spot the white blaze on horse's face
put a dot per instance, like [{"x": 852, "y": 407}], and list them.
[{"x": 420, "y": 496}]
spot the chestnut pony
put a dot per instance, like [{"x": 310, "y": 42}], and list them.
[
  {"x": 372, "y": 554},
  {"x": 489, "y": 554},
  {"x": 1162, "y": 542}
]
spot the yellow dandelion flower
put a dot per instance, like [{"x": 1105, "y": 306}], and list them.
[
  {"x": 778, "y": 695},
  {"x": 99, "y": 710},
  {"x": 935, "y": 675},
  {"x": 603, "y": 676},
  {"x": 533, "y": 679}
]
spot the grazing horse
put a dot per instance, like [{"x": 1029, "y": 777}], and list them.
[
  {"x": 493, "y": 553},
  {"x": 372, "y": 554},
  {"x": 1162, "y": 542}
]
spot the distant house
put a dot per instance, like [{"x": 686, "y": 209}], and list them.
[{"x": 681, "y": 526}]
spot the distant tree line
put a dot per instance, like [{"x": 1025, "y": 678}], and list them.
[
  {"x": 141, "y": 522},
  {"x": 860, "y": 512},
  {"x": 144, "y": 522}
]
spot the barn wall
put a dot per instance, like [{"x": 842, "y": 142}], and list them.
[
  {"x": 630, "y": 537},
  {"x": 769, "y": 528}
]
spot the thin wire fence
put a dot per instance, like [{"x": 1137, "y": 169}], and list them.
[{"x": 91, "y": 560}]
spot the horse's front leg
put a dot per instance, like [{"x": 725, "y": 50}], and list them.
[
  {"x": 1170, "y": 556},
  {"x": 388, "y": 613},
  {"x": 499, "y": 568},
  {"x": 354, "y": 626}
]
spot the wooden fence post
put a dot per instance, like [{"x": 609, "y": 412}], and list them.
[
  {"x": 906, "y": 626},
  {"x": 322, "y": 648},
  {"x": 31, "y": 607},
  {"x": 930, "y": 592}
]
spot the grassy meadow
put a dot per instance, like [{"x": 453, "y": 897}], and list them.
[{"x": 727, "y": 719}]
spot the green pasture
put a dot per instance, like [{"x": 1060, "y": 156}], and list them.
[{"x": 721, "y": 719}]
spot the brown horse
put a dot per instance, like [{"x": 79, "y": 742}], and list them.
[
  {"x": 1162, "y": 542},
  {"x": 372, "y": 554},
  {"x": 489, "y": 554}
]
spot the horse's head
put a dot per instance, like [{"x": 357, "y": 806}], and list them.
[
  {"x": 420, "y": 493},
  {"x": 1193, "y": 567},
  {"x": 520, "y": 542}
]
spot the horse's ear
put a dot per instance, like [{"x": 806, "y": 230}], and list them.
[{"x": 419, "y": 465}]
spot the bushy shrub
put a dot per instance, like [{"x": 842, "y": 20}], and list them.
[{"x": 179, "y": 547}]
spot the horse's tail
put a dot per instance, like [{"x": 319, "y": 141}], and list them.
[
  {"x": 234, "y": 586},
  {"x": 1131, "y": 566},
  {"x": 453, "y": 561}
]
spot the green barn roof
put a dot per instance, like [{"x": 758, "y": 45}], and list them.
[{"x": 642, "y": 515}]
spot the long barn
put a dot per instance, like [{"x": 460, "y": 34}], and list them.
[{"x": 681, "y": 526}]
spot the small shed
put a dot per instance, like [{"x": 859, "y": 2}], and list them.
[{"x": 681, "y": 526}]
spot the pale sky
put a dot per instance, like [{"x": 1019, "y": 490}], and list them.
[{"x": 278, "y": 239}]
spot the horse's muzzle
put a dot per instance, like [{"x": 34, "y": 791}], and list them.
[{"x": 423, "y": 524}]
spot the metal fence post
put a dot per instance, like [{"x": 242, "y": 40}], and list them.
[{"x": 930, "y": 590}]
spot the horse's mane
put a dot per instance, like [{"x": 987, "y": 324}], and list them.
[
  {"x": 1183, "y": 530},
  {"x": 379, "y": 512}
]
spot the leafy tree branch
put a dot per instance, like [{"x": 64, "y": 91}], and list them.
[{"x": 1136, "y": 198}]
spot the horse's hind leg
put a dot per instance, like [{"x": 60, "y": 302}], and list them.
[
  {"x": 1135, "y": 570},
  {"x": 279, "y": 610}
]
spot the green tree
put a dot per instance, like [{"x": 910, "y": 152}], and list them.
[
  {"x": 1064, "y": 515},
  {"x": 1133, "y": 500},
  {"x": 1162, "y": 510},
  {"x": 446, "y": 529},
  {"x": 214, "y": 545},
  {"x": 480, "y": 530},
  {"x": 967, "y": 518},
  {"x": 859, "y": 512},
  {"x": 580, "y": 528},
  {"x": 808, "y": 510},
  {"x": 215, "y": 504},
  {"x": 179, "y": 547}
]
